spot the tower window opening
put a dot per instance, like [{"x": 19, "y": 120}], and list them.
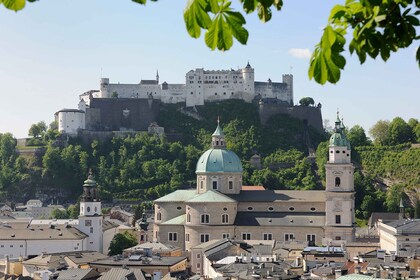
[
  {"x": 214, "y": 185},
  {"x": 338, "y": 219},
  {"x": 344, "y": 152},
  {"x": 337, "y": 181},
  {"x": 230, "y": 185},
  {"x": 337, "y": 152}
]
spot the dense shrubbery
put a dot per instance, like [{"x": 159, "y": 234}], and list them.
[{"x": 144, "y": 167}]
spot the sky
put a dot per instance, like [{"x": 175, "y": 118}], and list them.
[{"x": 54, "y": 50}]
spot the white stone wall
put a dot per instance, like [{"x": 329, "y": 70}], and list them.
[
  {"x": 71, "y": 121},
  {"x": 204, "y": 86}
]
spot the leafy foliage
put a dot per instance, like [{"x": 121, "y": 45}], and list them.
[
  {"x": 306, "y": 101},
  {"x": 120, "y": 242},
  {"x": 379, "y": 28}
]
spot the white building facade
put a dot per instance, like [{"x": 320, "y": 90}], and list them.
[{"x": 202, "y": 86}]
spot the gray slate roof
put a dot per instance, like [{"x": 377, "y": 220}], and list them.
[
  {"x": 406, "y": 227},
  {"x": 279, "y": 219},
  {"x": 279, "y": 195},
  {"x": 21, "y": 231},
  {"x": 78, "y": 274},
  {"x": 123, "y": 274}
]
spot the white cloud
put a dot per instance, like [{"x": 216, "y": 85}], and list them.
[{"x": 300, "y": 53}]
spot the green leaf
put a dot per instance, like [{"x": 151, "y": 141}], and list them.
[
  {"x": 219, "y": 35},
  {"x": 249, "y": 5},
  {"x": 196, "y": 17},
  {"x": 235, "y": 20},
  {"x": 278, "y": 4},
  {"x": 14, "y": 5},
  {"x": 418, "y": 56},
  {"x": 337, "y": 12},
  {"x": 264, "y": 13},
  {"x": 143, "y": 2}
]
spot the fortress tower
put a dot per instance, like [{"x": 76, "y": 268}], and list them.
[
  {"x": 339, "y": 205},
  {"x": 90, "y": 218}
]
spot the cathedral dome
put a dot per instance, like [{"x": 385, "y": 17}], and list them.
[{"x": 219, "y": 160}]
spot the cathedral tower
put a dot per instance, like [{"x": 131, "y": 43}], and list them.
[
  {"x": 339, "y": 221},
  {"x": 90, "y": 218}
]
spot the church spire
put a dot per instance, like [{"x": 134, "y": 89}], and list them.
[{"x": 157, "y": 76}]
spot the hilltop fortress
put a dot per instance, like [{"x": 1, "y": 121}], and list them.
[
  {"x": 135, "y": 107},
  {"x": 204, "y": 86}
]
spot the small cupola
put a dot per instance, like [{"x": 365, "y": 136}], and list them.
[
  {"x": 218, "y": 138},
  {"x": 89, "y": 189}
]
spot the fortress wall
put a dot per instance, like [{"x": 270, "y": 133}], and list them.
[
  {"x": 279, "y": 91},
  {"x": 128, "y": 113},
  {"x": 312, "y": 115},
  {"x": 134, "y": 90}
]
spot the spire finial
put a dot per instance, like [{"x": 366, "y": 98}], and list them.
[{"x": 218, "y": 120}]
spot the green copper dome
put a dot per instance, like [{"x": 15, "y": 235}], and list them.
[
  {"x": 219, "y": 160},
  {"x": 339, "y": 139}
]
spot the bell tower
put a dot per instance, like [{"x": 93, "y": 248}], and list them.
[
  {"x": 339, "y": 208},
  {"x": 90, "y": 218}
]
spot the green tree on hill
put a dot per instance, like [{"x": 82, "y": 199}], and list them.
[{"x": 120, "y": 242}]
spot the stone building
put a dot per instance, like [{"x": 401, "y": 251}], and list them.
[
  {"x": 202, "y": 86},
  {"x": 220, "y": 208}
]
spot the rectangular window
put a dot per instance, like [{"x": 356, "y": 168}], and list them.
[
  {"x": 198, "y": 265},
  {"x": 338, "y": 238},
  {"x": 246, "y": 236},
  {"x": 173, "y": 236},
  {"x": 198, "y": 256},
  {"x": 230, "y": 185},
  {"x": 187, "y": 237},
  {"x": 21, "y": 246},
  {"x": 267, "y": 236},
  {"x": 91, "y": 230},
  {"x": 204, "y": 237},
  {"x": 205, "y": 218},
  {"x": 338, "y": 219},
  {"x": 289, "y": 237},
  {"x": 225, "y": 235},
  {"x": 88, "y": 223},
  {"x": 214, "y": 185},
  {"x": 225, "y": 218},
  {"x": 311, "y": 239}
]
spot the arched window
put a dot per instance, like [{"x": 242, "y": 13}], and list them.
[
  {"x": 188, "y": 218},
  {"x": 225, "y": 218},
  {"x": 205, "y": 218},
  {"x": 159, "y": 216},
  {"x": 337, "y": 181}
]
